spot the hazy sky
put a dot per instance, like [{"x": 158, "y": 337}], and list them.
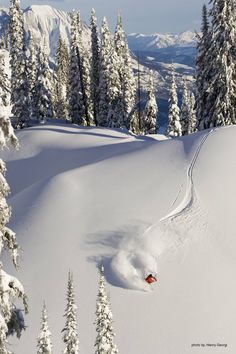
[{"x": 145, "y": 16}]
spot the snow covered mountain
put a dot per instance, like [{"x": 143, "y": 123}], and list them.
[
  {"x": 157, "y": 41},
  {"x": 45, "y": 24},
  {"x": 138, "y": 205},
  {"x": 158, "y": 51}
]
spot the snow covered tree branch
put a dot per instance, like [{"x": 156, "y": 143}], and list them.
[{"x": 11, "y": 321}]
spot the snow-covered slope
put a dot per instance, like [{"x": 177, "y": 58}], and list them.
[
  {"x": 45, "y": 24},
  {"x": 156, "y": 41},
  {"x": 86, "y": 196}
]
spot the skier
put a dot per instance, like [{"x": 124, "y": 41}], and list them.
[{"x": 150, "y": 279}]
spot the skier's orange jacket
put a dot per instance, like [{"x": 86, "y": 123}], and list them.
[{"x": 150, "y": 279}]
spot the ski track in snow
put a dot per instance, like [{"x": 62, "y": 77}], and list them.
[
  {"x": 190, "y": 195},
  {"x": 139, "y": 256}
]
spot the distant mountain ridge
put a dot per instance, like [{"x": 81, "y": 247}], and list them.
[{"x": 158, "y": 41}]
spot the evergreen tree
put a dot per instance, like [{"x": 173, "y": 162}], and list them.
[
  {"x": 32, "y": 78},
  {"x": 223, "y": 86},
  {"x": 62, "y": 59},
  {"x": 192, "y": 128},
  {"x": 110, "y": 104},
  {"x": 174, "y": 126},
  {"x": 44, "y": 339},
  {"x": 128, "y": 84},
  {"x": 136, "y": 125},
  {"x": 84, "y": 66},
  {"x": 185, "y": 110},
  {"x": 151, "y": 110},
  {"x": 80, "y": 84},
  {"x": 202, "y": 65},
  {"x": 4, "y": 84},
  {"x": 104, "y": 102},
  {"x": 219, "y": 108},
  {"x": 105, "y": 335},
  {"x": 18, "y": 66},
  {"x": 74, "y": 85},
  {"x": 95, "y": 48},
  {"x": 22, "y": 106},
  {"x": 70, "y": 336},
  {"x": 43, "y": 89},
  {"x": 10, "y": 287}
]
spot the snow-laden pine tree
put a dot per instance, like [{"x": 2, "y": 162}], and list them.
[
  {"x": 4, "y": 84},
  {"x": 61, "y": 80},
  {"x": 223, "y": 87},
  {"x": 202, "y": 67},
  {"x": 219, "y": 107},
  {"x": 10, "y": 287},
  {"x": 185, "y": 110},
  {"x": 81, "y": 111},
  {"x": 32, "y": 78},
  {"x": 128, "y": 84},
  {"x": 151, "y": 110},
  {"x": 70, "y": 336},
  {"x": 23, "y": 105},
  {"x": 174, "y": 126},
  {"x": 95, "y": 49},
  {"x": 19, "y": 98},
  {"x": 192, "y": 128},
  {"x": 84, "y": 60},
  {"x": 104, "y": 102},
  {"x": 110, "y": 100},
  {"x": 104, "y": 343},
  {"x": 16, "y": 32},
  {"x": 44, "y": 339},
  {"x": 74, "y": 85},
  {"x": 43, "y": 88},
  {"x": 62, "y": 59},
  {"x": 135, "y": 122},
  {"x": 136, "y": 125}
]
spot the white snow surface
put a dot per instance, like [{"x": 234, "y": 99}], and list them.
[{"x": 86, "y": 196}]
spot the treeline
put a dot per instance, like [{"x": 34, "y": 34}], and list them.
[
  {"x": 216, "y": 66},
  {"x": 104, "y": 342},
  {"x": 95, "y": 84},
  {"x": 214, "y": 103},
  {"x": 92, "y": 85}
]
